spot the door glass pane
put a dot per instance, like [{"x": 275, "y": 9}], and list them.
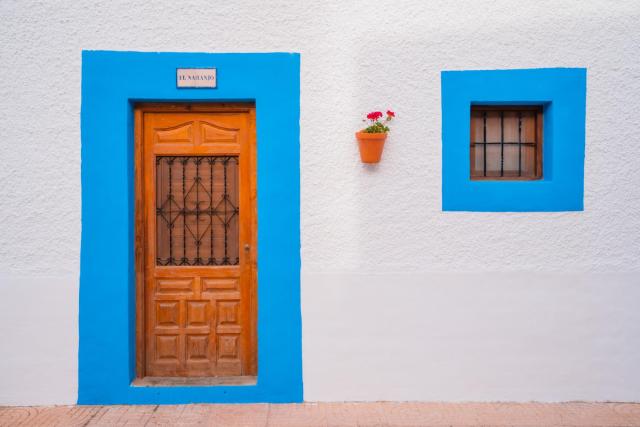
[{"x": 197, "y": 210}]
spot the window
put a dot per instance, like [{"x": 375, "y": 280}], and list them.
[
  {"x": 506, "y": 142},
  {"x": 513, "y": 161}
]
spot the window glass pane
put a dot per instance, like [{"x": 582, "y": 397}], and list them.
[
  {"x": 528, "y": 161},
  {"x": 493, "y": 160},
  {"x": 505, "y": 143},
  {"x": 493, "y": 126},
  {"x": 511, "y": 160}
]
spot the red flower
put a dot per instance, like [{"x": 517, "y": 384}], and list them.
[
  {"x": 375, "y": 115},
  {"x": 390, "y": 113}
]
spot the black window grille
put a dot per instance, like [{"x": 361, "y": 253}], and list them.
[{"x": 506, "y": 142}]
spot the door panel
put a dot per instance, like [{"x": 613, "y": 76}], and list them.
[{"x": 197, "y": 168}]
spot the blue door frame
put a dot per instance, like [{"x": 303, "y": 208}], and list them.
[{"x": 112, "y": 82}]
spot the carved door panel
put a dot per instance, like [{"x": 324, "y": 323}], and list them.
[{"x": 196, "y": 236}]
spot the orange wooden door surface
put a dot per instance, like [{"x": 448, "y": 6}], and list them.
[{"x": 195, "y": 237}]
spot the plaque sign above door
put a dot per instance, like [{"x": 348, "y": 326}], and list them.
[{"x": 196, "y": 78}]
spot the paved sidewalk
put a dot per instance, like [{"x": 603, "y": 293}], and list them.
[{"x": 330, "y": 414}]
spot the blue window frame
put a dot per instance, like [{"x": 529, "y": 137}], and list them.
[
  {"x": 112, "y": 82},
  {"x": 562, "y": 94}
]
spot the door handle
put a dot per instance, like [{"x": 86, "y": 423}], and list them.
[{"x": 247, "y": 247}]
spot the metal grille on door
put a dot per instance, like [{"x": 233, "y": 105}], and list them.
[{"x": 197, "y": 210}]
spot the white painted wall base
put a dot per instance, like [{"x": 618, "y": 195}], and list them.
[
  {"x": 39, "y": 344},
  {"x": 471, "y": 337}
]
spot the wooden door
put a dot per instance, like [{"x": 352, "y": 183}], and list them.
[{"x": 195, "y": 240}]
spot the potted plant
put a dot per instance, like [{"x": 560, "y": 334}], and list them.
[{"x": 371, "y": 139}]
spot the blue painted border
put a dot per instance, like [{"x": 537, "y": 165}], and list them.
[
  {"x": 562, "y": 93},
  {"x": 111, "y": 83}
]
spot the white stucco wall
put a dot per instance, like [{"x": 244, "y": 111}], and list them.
[{"x": 399, "y": 300}]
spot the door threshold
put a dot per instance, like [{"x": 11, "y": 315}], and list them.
[{"x": 193, "y": 381}]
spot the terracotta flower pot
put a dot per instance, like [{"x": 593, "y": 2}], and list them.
[{"x": 371, "y": 145}]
